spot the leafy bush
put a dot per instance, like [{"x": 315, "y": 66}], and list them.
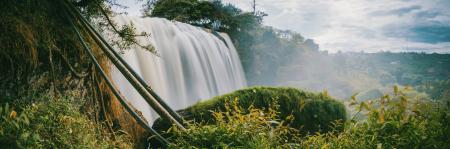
[
  {"x": 311, "y": 112},
  {"x": 235, "y": 128},
  {"x": 393, "y": 121},
  {"x": 53, "y": 123}
]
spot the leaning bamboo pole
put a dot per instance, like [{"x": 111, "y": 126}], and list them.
[
  {"x": 134, "y": 74},
  {"x": 113, "y": 89},
  {"x": 122, "y": 68}
]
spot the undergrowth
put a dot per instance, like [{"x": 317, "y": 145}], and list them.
[
  {"x": 41, "y": 54},
  {"x": 311, "y": 112},
  {"x": 393, "y": 121},
  {"x": 54, "y": 123},
  {"x": 235, "y": 128}
]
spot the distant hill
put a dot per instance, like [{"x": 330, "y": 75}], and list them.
[{"x": 344, "y": 74}]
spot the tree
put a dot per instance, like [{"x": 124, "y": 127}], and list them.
[{"x": 209, "y": 14}]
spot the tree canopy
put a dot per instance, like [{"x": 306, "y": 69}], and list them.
[{"x": 208, "y": 14}]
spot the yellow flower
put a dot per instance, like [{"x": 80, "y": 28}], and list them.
[{"x": 13, "y": 114}]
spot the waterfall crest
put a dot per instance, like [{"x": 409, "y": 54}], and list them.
[{"x": 193, "y": 64}]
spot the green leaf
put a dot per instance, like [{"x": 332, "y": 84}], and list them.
[
  {"x": 6, "y": 108},
  {"x": 354, "y": 96},
  {"x": 36, "y": 137},
  {"x": 26, "y": 120},
  {"x": 24, "y": 135},
  {"x": 16, "y": 124},
  {"x": 396, "y": 90}
]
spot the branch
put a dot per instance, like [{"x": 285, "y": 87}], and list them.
[
  {"x": 122, "y": 34},
  {"x": 112, "y": 23}
]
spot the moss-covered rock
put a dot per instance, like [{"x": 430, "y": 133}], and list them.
[{"x": 312, "y": 112}]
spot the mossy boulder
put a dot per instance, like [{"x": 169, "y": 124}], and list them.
[{"x": 312, "y": 112}]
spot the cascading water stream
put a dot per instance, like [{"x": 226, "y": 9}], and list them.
[{"x": 193, "y": 64}]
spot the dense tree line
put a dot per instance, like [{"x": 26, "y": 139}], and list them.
[{"x": 370, "y": 74}]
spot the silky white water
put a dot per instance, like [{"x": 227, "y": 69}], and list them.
[{"x": 193, "y": 64}]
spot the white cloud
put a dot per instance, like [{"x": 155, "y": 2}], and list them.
[{"x": 355, "y": 25}]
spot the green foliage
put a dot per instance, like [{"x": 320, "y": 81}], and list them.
[
  {"x": 237, "y": 127},
  {"x": 271, "y": 57},
  {"x": 310, "y": 112},
  {"x": 344, "y": 74},
  {"x": 209, "y": 14},
  {"x": 404, "y": 68},
  {"x": 276, "y": 57},
  {"x": 37, "y": 33},
  {"x": 53, "y": 123},
  {"x": 266, "y": 50},
  {"x": 393, "y": 121},
  {"x": 438, "y": 90},
  {"x": 41, "y": 54}
]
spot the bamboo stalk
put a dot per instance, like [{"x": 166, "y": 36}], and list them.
[
  {"x": 146, "y": 86},
  {"x": 116, "y": 93},
  {"x": 127, "y": 74}
]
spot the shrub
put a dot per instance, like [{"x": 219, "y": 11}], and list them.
[
  {"x": 235, "y": 128},
  {"x": 311, "y": 112},
  {"x": 393, "y": 121},
  {"x": 53, "y": 123}
]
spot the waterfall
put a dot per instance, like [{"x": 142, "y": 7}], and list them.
[{"x": 192, "y": 65}]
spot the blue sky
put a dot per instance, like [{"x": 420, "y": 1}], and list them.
[{"x": 358, "y": 25}]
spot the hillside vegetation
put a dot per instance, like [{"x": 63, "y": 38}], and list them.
[
  {"x": 51, "y": 96},
  {"x": 378, "y": 116},
  {"x": 309, "y": 112},
  {"x": 274, "y": 57},
  {"x": 344, "y": 74},
  {"x": 391, "y": 121},
  {"x": 54, "y": 123}
]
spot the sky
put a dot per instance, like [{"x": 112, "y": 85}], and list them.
[{"x": 358, "y": 25}]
